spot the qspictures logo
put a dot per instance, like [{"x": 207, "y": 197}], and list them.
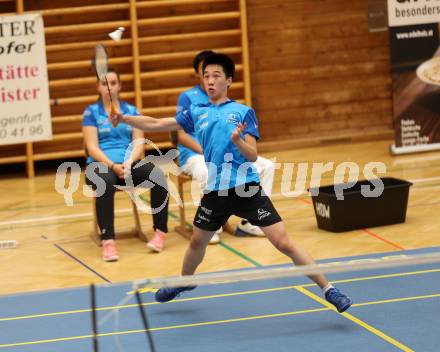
[
  {"x": 410, "y": 12},
  {"x": 294, "y": 177}
]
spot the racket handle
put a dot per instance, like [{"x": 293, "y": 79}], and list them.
[{"x": 112, "y": 113}]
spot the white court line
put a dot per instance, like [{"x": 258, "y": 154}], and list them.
[
  {"x": 58, "y": 217},
  {"x": 421, "y": 180},
  {"x": 127, "y": 210}
]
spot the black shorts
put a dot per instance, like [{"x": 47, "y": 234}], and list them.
[{"x": 216, "y": 207}]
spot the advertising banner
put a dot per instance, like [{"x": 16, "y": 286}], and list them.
[
  {"x": 24, "y": 89},
  {"x": 415, "y": 72},
  {"x": 407, "y": 12}
]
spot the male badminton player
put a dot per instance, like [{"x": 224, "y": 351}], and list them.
[{"x": 228, "y": 132}]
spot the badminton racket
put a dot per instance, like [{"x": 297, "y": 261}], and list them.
[{"x": 100, "y": 62}]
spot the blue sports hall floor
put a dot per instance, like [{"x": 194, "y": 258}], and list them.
[{"x": 394, "y": 310}]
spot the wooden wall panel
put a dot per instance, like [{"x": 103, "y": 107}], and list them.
[
  {"x": 316, "y": 71},
  {"x": 317, "y": 74},
  {"x": 154, "y": 59}
]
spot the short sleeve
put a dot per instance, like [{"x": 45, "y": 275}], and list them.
[
  {"x": 89, "y": 118},
  {"x": 185, "y": 120},
  {"x": 183, "y": 103},
  {"x": 251, "y": 124}
]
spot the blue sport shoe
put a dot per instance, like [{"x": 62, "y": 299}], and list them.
[
  {"x": 166, "y": 294},
  {"x": 338, "y": 299}
]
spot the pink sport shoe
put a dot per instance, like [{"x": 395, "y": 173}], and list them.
[
  {"x": 109, "y": 252},
  {"x": 157, "y": 242}
]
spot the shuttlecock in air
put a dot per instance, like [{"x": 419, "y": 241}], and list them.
[{"x": 117, "y": 34}]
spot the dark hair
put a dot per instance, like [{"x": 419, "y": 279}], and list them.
[
  {"x": 201, "y": 56},
  {"x": 222, "y": 60},
  {"x": 112, "y": 70}
]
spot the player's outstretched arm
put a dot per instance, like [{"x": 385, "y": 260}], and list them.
[{"x": 148, "y": 123}]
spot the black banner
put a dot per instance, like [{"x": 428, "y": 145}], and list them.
[{"x": 415, "y": 71}]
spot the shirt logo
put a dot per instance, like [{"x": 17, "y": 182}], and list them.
[
  {"x": 103, "y": 123},
  {"x": 233, "y": 118},
  {"x": 104, "y": 130},
  {"x": 203, "y": 116}
]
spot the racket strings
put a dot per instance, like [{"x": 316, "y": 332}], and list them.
[{"x": 100, "y": 62}]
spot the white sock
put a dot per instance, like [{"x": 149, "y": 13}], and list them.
[{"x": 328, "y": 287}]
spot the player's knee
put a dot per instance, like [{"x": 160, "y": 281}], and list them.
[
  {"x": 283, "y": 244},
  {"x": 197, "y": 242}
]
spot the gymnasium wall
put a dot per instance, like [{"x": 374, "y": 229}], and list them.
[{"x": 316, "y": 73}]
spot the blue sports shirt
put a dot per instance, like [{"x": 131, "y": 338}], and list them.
[
  {"x": 213, "y": 126},
  {"x": 114, "y": 141},
  {"x": 195, "y": 95}
]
